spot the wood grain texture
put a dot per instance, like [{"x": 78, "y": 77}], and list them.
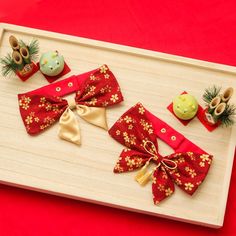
[{"x": 46, "y": 163}]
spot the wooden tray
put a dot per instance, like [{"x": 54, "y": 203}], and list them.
[{"x": 46, "y": 163}]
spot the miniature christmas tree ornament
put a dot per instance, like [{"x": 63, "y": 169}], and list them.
[
  {"x": 219, "y": 111},
  {"x": 21, "y": 61}
]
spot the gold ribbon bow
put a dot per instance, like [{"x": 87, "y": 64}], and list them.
[
  {"x": 69, "y": 124},
  {"x": 143, "y": 176}
]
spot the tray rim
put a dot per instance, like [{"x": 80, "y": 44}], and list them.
[
  {"x": 119, "y": 47},
  {"x": 144, "y": 53}
]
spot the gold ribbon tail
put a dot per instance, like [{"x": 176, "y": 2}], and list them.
[
  {"x": 93, "y": 115},
  {"x": 144, "y": 176},
  {"x": 69, "y": 127}
]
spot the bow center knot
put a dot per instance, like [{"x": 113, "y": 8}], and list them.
[
  {"x": 71, "y": 103},
  {"x": 143, "y": 176},
  {"x": 150, "y": 148}
]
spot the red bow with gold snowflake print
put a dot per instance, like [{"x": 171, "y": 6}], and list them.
[
  {"x": 136, "y": 131},
  {"x": 94, "y": 91}
]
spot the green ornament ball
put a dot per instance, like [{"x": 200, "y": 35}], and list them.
[
  {"x": 51, "y": 63},
  {"x": 185, "y": 106}
]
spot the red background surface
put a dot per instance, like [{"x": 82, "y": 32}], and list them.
[{"x": 200, "y": 29}]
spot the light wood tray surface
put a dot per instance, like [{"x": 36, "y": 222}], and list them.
[{"x": 46, "y": 163}]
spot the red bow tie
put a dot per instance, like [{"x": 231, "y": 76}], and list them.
[
  {"x": 136, "y": 131},
  {"x": 95, "y": 90}
]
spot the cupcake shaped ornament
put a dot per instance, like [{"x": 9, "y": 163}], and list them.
[
  {"x": 185, "y": 106},
  {"x": 52, "y": 65}
]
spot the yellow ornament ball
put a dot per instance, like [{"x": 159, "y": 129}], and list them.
[{"x": 185, "y": 106}]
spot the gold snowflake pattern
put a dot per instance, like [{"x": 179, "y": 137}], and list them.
[
  {"x": 202, "y": 164},
  {"x": 190, "y": 171},
  {"x": 127, "y": 149},
  {"x": 94, "y": 78},
  {"x": 36, "y": 119},
  {"x": 192, "y": 157},
  {"x": 204, "y": 159},
  {"x": 56, "y": 108},
  {"x": 114, "y": 98},
  {"x": 132, "y": 139},
  {"x": 188, "y": 186},
  {"x": 180, "y": 160},
  {"x": 92, "y": 102},
  {"x": 105, "y": 103},
  {"x": 146, "y": 126},
  {"x": 42, "y": 102},
  {"x": 128, "y": 119},
  {"x": 130, "y": 162},
  {"x": 178, "y": 182},
  {"x": 126, "y": 137},
  {"x": 129, "y": 139},
  {"x": 118, "y": 168},
  {"x": 161, "y": 187},
  {"x": 31, "y": 118},
  {"x": 48, "y": 106},
  {"x": 24, "y": 102},
  {"x": 106, "y": 76},
  {"x": 130, "y": 127},
  {"x": 177, "y": 174},
  {"x": 164, "y": 176},
  {"x": 117, "y": 132},
  {"x": 139, "y": 161},
  {"x": 141, "y": 110},
  {"x": 90, "y": 90},
  {"x": 168, "y": 192},
  {"x": 47, "y": 121},
  {"x": 172, "y": 171},
  {"x": 103, "y": 69},
  {"x": 150, "y": 131},
  {"x": 133, "y": 162},
  {"x": 106, "y": 89}
]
